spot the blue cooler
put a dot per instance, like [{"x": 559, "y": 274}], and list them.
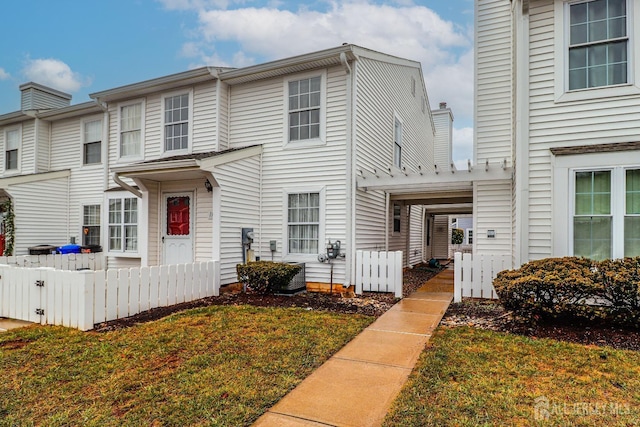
[{"x": 69, "y": 249}]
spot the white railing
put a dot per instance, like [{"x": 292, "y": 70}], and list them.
[
  {"x": 92, "y": 261},
  {"x": 81, "y": 299},
  {"x": 474, "y": 274},
  {"x": 379, "y": 272}
]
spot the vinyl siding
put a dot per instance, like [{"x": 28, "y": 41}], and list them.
[
  {"x": 441, "y": 237},
  {"x": 494, "y": 89},
  {"x": 493, "y": 211},
  {"x": 257, "y": 115},
  {"x": 41, "y": 214},
  {"x": 415, "y": 234},
  {"x": 556, "y": 124},
  {"x": 205, "y": 128},
  {"x": 443, "y": 139},
  {"x": 240, "y": 208},
  {"x": 384, "y": 90},
  {"x": 43, "y": 151},
  {"x": 153, "y": 219},
  {"x": 27, "y": 150}
]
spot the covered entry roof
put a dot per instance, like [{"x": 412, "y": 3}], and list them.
[{"x": 445, "y": 192}]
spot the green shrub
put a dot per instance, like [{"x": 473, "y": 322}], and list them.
[
  {"x": 620, "y": 280},
  {"x": 550, "y": 288},
  {"x": 266, "y": 277}
]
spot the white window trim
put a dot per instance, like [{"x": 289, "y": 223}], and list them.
[
  {"x": 561, "y": 63},
  {"x": 289, "y": 257},
  {"x": 322, "y": 140},
  {"x": 4, "y": 150},
  {"x": 189, "y": 148},
  {"x": 102, "y": 141},
  {"x": 563, "y": 200},
  {"x": 80, "y": 240},
  {"x": 466, "y": 236},
  {"x": 128, "y": 159},
  {"x": 397, "y": 118},
  {"x": 142, "y": 226}
]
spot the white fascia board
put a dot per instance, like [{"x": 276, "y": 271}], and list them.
[
  {"x": 157, "y": 85},
  {"x": 90, "y": 107},
  {"x": 25, "y": 179}
]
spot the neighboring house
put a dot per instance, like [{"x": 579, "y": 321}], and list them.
[{"x": 173, "y": 169}]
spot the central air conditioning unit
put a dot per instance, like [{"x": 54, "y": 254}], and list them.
[{"x": 297, "y": 284}]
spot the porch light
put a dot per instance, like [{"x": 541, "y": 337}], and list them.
[{"x": 208, "y": 185}]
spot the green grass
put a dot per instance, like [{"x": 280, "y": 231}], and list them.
[
  {"x": 473, "y": 377},
  {"x": 215, "y": 366}
]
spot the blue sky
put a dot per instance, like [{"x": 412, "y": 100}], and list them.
[{"x": 85, "y": 46}]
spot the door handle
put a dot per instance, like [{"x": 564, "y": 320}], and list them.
[{"x": 162, "y": 239}]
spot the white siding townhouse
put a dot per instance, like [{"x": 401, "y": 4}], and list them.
[{"x": 172, "y": 169}]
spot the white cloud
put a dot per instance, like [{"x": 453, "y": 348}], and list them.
[
  {"x": 4, "y": 75},
  {"x": 462, "y": 146},
  {"x": 414, "y": 32},
  {"x": 399, "y": 28},
  {"x": 54, "y": 73}
]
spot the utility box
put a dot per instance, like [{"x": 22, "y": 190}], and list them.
[{"x": 297, "y": 284}]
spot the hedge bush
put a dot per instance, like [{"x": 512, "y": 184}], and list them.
[
  {"x": 573, "y": 288},
  {"x": 265, "y": 277}
]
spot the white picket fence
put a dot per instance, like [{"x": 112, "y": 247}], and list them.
[
  {"x": 379, "y": 271},
  {"x": 474, "y": 274},
  {"x": 81, "y": 299},
  {"x": 92, "y": 261}
]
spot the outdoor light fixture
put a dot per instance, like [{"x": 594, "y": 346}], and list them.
[{"x": 208, "y": 185}]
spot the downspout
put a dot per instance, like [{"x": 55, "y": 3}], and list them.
[
  {"x": 521, "y": 164},
  {"x": 105, "y": 146},
  {"x": 350, "y": 175},
  {"x": 126, "y": 186}
]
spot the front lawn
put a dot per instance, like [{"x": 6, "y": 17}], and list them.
[
  {"x": 218, "y": 366},
  {"x": 475, "y": 377}
]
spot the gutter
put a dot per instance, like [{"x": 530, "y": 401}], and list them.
[{"x": 121, "y": 183}]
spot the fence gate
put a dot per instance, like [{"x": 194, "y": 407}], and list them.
[
  {"x": 23, "y": 294},
  {"x": 379, "y": 271}
]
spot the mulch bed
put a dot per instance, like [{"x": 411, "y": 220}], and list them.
[
  {"x": 488, "y": 314},
  {"x": 369, "y": 303}
]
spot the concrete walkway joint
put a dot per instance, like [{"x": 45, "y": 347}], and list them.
[{"x": 356, "y": 387}]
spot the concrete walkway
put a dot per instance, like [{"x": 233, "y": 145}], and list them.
[
  {"x": 357, "y": 385},
  {"x": 7, "y": 324}
]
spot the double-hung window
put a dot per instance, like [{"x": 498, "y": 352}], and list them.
[
  {"x": 92, "y": 142},
  {"x": 91, "y": 225},
  {"x": 11, "y": 149},
  {"x": 592, "y": 220},
  {"x": 176, "y": 122},
  {"x": 598, "y": 44},
  {"x": 303, "y": 223},
  {"x": 397, "y": 143},
  {"x": 131, "y": 130},
  {"x": 305, "y": 108},
  {"x": 123, "y": 224}
]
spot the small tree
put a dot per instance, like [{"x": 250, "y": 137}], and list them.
[{"x": 457, "y": 236}]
